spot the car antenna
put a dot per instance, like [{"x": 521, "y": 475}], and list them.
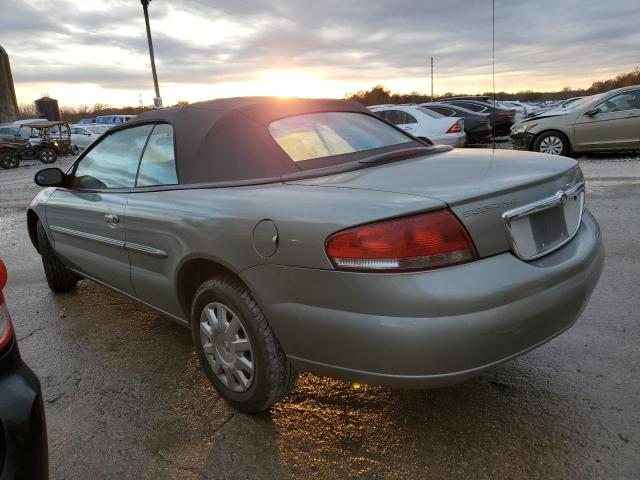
[{"x": 493, "y": 65}]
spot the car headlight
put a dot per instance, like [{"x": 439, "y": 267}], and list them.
[{"x": 522, "y": 128}]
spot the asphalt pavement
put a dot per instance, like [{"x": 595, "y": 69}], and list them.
[{"x": 125, "y": 397}]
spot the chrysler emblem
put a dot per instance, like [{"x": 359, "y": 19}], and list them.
[{"x": 563, "y": 199}]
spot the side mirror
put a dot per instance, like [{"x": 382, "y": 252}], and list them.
[
  {"x": 592, "y": 112},
  {"x": 49, "y": 177}
]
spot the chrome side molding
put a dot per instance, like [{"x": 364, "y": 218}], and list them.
[{"x": 132, "y": 247}]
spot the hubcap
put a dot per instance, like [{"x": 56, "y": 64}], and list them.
[
  {"x": 552, "y": 145},
  {"x": 227, "y": 347}
]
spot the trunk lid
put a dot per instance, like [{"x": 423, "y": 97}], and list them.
[{"x": 479, "y": 185}]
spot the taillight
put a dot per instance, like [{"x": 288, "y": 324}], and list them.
[
  {"x": 420, "y": 242},
  {"x": 456, "y": 127},
  {"x": 505, "y": 114},
  {"x": 6, "y": 329}
]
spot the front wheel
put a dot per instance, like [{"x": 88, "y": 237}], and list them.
[
  {"x": 59, "y": 278},
  {"x": 554, "y": 143},
  {"x": 48, "y": 155},
  {"x": 237, "y": 349}
]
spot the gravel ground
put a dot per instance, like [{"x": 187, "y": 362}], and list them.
[{"x": 125, "y": 398}]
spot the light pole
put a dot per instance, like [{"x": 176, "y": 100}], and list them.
[
  {"x": 157, "y": 101},
  {"x": 432, "y": 79}
]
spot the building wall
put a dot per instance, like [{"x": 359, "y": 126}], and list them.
[{"x": 8, "y": 102}]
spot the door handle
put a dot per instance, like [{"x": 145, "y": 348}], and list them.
[{"x": 111, "y": 219}]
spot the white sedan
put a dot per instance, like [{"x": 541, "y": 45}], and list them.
[
  {"x": 424, "y": 123},
  {"x": 83, "y": 135}
]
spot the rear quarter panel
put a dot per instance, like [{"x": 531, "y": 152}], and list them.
[{"x": 218, "y": 223}]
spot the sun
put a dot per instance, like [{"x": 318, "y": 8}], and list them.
[{"x": 285, "y": 83}]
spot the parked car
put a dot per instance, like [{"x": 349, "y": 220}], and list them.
[
  {"x": 311, "y": 235},
  {"x": 605, "y": 122},
  {"x": 477, "y": 126},
  {"x": 521, "y": 111},
  {"x": 86, "y": 121},
  {"x": 424, "y": 124},
  {"x": 112, "y": 120},
  {"x": 501, "y": 118},
  {"x": 9, "y": 133},
  {"x": 83, "y": 135},
  {"x": 23, "y": 433}
]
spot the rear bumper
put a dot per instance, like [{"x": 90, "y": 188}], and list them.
[
  {"x": 23, "y": 434},
  {"x": 427, "y": 329},
  {"x": 479, "y": 135},
  {"x": 451, "y": 139},
  {"x": 522, "y": 141}
]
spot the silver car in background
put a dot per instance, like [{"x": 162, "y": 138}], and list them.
[
  {"x": 424, "y": 124},
  {"x": 606, "y": 122},
  {"x": 311, "y": 235}
]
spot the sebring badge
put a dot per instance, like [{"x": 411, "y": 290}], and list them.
[{"x": 489, "y": 207}]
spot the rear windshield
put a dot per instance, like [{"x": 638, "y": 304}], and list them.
[
  {"x": 431, "y": 113},
  {"x": 321, "y": 135}
]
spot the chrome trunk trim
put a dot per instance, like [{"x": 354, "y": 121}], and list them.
[{"x": 557, "y": 199}]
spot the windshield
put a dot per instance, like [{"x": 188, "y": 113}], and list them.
[
  {"x": 321, "y": 135},
  {"x": 583, "y": 101}
]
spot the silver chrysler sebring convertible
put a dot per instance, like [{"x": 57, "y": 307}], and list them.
[{"x": 310, "y": 235}]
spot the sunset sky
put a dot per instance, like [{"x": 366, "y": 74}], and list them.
[{"x": 83, "y": 52}]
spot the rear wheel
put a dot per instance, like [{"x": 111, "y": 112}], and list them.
[
  {"x": 59, "y": 278},
  {"x": 554, "y": 143},
  {"x": 47, "y": 155},
  {"x": 237, "y": 349}
]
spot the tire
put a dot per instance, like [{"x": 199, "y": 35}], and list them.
[
  {"x": 9, "y": 161},
  {"x": 47, "y": 155},
  {"x": 271, "y": 376},
  {"x": 554, "y": 143},
  {"x": 59, "y": 278}
]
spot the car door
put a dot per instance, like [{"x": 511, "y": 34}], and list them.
[
  {"x": 400, "y": 119},
  {"x": 152, "y": 239},
  {"x": 87, "y": 219},
  {"x": 83, "y": 137},
  {"x": 616, "y": 125}
]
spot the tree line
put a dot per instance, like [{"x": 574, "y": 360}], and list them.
[
  {"x": 381, "y": 95},
  {"x": 374, "y": 96}
]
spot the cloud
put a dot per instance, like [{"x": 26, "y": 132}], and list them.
[{"x": 359, "y": 42}]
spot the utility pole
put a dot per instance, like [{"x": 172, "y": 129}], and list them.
[
  {"x": 432, "y": 79},
  {"x": 157, "y": 101}
]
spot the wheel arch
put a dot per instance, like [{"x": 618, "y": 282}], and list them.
[
  {"x": 194, "y": 271},
  {"x": 32, "y": 223},
  {"x": 552, "y": 130}
]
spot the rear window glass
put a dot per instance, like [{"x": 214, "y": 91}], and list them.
[
  {"x": 319, "y": 135},
  {"x": 430, "y": 112}
]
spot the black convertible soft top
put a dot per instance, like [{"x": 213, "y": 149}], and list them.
[{"x": 228, "y": 140}]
